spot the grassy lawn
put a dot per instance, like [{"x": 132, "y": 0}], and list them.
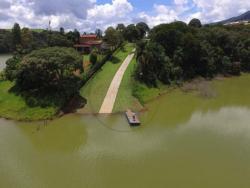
[
  {"x": 86, "y": 58},
  {"x": 144, "y": 93},
  {"x": 86, "y": 63},
  {"x": 14, "y": 107},
  {"x": 95, "y": 90},
  {"x": 125, "y": 97}
]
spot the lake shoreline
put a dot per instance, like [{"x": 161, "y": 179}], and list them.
[{"x": 200, "y": 86}]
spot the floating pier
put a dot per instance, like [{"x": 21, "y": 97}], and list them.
[{"x": 132, "y": 117}]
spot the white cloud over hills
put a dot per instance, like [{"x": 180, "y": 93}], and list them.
[{"x": 87, "y": 15}]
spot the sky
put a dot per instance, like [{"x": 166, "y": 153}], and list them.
[{"x": 88, "y": 15}]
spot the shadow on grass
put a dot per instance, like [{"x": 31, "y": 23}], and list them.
[
  {"x": 115, "y": 60},
  {"x": 50, "y": 99}
]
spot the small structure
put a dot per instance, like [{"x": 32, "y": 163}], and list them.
[
  {"x": 132, "y": 118},
  {"x": 87, "y": 43}
]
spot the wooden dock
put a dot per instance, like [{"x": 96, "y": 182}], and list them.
[{"x": 132, "y": 118}]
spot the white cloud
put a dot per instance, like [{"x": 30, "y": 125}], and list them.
[
  {"x": 87, "y": 15},
  {"x": 216, "y": 10},
  {"x": 162, "y": 14},
  {"x": 110, "y": 13},
  {"x": 84, "y": 15}
]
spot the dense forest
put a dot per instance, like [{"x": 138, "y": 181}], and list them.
[
  {"x": 175, "y": 52},
  {"x": 25, "y": 40}
]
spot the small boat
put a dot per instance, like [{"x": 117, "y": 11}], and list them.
[{"x": 132, "y": 118}]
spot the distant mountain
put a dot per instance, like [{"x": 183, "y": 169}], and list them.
[{"x": 242, "y": 17}]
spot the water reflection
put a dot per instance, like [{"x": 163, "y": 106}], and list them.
[
  {"x": 3, "y": 59},
  {"x": 190, "y": 142},
  {"x": 62, "y": 135}
]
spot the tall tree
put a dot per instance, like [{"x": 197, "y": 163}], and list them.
[
  {"x": 143, "y": 29},
  {"x": 26, "y": 39},
  {"x": 99, "y": 33},
  {"x": 112, "y": 37},
  {"x": 16, "y": 35},
  {"x": 50, "y": 71},
  {"x": 195, "y": 23},
  {"x": 132, "y": 33},
  {"x": 121, "y": 28},
  {"x": 62, "y": 31}
]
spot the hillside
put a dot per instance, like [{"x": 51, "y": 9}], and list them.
[{"x": 242, "y": 17}]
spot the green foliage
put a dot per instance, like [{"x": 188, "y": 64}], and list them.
[
  {"x": 74, "y": 36},
  {"x": 227, "y": 64},
  {"x": 143, "y": 29},
  {"x": 185, "y": 52},
  {"x": 113, "y": 37},
  {"x": 195, "y": 23},
  {"x": 99, "y": 33},
  {"x": 132, "y": 33},
  {"x": 93, "y": 56},
  {"x": 15, "y": 107},
  {"x": 47, "y": 76},
  {"x": 6, "y": 44},
  {"x": 24, "y": 40},
  {"x": 94, "y": 90},
  {"x": 16, "y": 35},
  {"x": 121, "y": 28},
  {"x": 170, "y": 36},
  {"x": 57, "y": 39},
  {"x": 62, "y": 31},
  {"x": 12, "y": 68}
]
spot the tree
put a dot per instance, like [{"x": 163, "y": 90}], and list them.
[
  {"x": 227, "y": 65},
  {"x": 61, "y": 30},
  {"x": 243, "y": 49},
  {"x": 74, "y": 36},
  {"x": 6, "y": 44},
  {"x": 195, "y": 23},
  {"x": 170, "y": 36},
  {"x": 26, "y": 39},
  {"x": 121, "y": 28},
  {"x": 132, "y": 33},
  {"x": 143, "y": 29},
  {"x": 113, "y": 37},
  {"x": 16, "y": 35},
  {"x": 12, "y": 68},
  {"x": 56, "y": 39},
  {"x": 151, "y": 58},
  {"x": 98, "y": 32},
  {"x": 93, "y": 56},
  {"x": 50, "y": 72}
]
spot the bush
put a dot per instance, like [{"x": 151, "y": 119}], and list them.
[
  {"x": 12, "y": 68},
  {"x": 93, "y": 57}
]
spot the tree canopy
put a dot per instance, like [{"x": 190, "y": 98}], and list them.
[
  {"x": 195, "y": 23},
  {"x": 50, "y": 72},
  {"x": 178, "y": 51}
]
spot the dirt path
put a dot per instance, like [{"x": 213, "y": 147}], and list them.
[{"x": 109, "y": 100}]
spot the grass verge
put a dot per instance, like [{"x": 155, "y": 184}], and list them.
[
  {"x": 125, "y": 98},
  {"x": 145, "y": 93},
  {"x": 96, "y": 88},
  {"x": 14, "y": 107}
]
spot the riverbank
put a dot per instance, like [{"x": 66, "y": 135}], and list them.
[
  {"x": 131, "y": 94},
  {"x": 14, "y": 107}
]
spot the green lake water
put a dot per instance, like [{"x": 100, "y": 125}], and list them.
[
  {"x": 184, "y": 141},
  {"x": 3, "y": 59}
]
